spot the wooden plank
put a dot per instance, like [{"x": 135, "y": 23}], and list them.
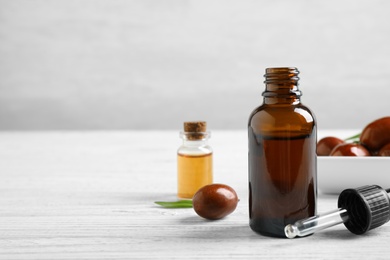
[{"x": 89, "y": 195}]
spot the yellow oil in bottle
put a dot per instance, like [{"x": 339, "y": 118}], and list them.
[{"x": 194, "y": 172}]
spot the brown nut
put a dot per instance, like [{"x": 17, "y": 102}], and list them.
[
  {"x": 350, "y": 149},
  {"x": 385, "y": 150},
  {"x": 326, "y": 145},
  {"x": 376, "y": 134},
  {"x": 215, "y": 201}
]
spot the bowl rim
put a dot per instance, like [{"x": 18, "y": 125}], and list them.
[{"x": 351, "y": 158}]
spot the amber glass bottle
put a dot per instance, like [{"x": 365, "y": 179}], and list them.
[{"x": 282, "y": 156}]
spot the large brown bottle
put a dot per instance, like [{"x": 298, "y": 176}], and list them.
[{"x": 282, "y": 156}]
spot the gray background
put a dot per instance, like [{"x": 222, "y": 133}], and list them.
[{"x": 72, "y": 64}]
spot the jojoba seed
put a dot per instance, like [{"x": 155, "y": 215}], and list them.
[
  {"x": 350, "y": 149},
  {"x": 215, "y": 201},
  {"x": 385, "y": 150},
  {"x": 326, "y": 145},
  {"x": 376, "y": 134}
]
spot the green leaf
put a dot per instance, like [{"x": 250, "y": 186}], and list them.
[
  {"x": 354, "y": 138},
  {"x": 175, "y": 204}
]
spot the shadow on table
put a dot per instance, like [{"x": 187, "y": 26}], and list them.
[
  {"x": 222, "y": 229},
  {"x": 341, "y": 234}
]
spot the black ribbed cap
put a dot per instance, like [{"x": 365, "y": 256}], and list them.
[{"x": 368, "y": 207}]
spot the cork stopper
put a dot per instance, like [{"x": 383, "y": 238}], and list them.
[{"x": 195, "y": 130}]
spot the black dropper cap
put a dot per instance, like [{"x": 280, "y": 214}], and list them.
[{"x": 368, "y": 207}]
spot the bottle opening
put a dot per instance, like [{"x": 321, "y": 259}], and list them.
[
  {"x": 281, "y": 81},
  {"x": 277, "y": 75}
]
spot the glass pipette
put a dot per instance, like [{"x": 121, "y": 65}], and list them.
[{"x": 360, "y": 209}]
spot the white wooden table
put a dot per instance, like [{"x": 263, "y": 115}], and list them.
[{"x": 89, "y": 195}]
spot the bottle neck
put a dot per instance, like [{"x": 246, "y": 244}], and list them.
[
  {"x": 197, "y": 139},
  {"x": 194, "y": 143},
  {"x": 282, "y": 100},
  {"x": 281, "y": 86}
]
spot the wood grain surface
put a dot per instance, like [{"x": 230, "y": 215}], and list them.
[{"x": 89, "y": 195}]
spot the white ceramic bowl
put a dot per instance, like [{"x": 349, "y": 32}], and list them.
[{"x": 336, "y": 173}]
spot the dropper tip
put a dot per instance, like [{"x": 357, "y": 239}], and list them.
[{"x": 291, "y": 231}]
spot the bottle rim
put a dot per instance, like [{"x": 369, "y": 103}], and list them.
[{"x": 195, "y": 136}]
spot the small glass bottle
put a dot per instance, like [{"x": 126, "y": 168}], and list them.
[
  {"x": 194, "y": 160},
  {"x": 282, "y": 156}
]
